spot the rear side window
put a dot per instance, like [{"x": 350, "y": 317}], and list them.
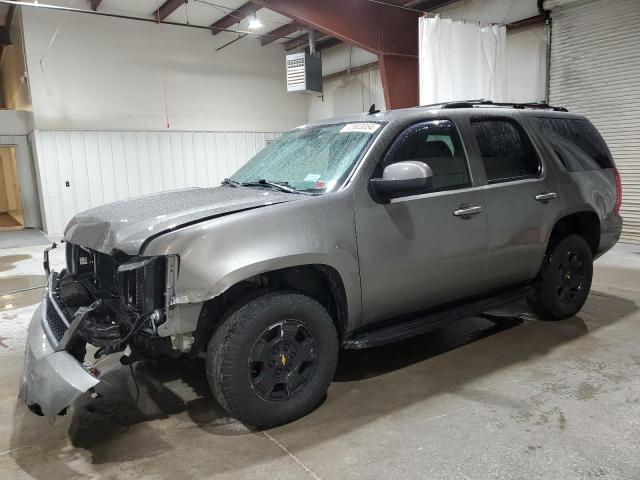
[
  {"x": 507, "y": 152},
  {"x": 577, "y": 143}
]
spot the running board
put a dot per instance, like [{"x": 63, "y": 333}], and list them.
[{"x": 400, "y": 328}]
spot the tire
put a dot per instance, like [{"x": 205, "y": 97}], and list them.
[
  {"x": 564, "y": 280},
  {"x": 272, "y": 359}
]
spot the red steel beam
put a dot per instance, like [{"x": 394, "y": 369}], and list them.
[
  {"x": 167, "y": 8},
  {"x": 234, "y": 17},
  {"x": 279, "y": 32},
  {"x": 387, "y": 31}
]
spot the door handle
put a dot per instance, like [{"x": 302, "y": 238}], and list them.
[
  {"x": 466, "y": 211},
  {"x": 545, "y": 197}
]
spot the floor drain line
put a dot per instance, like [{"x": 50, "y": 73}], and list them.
[
  {"x": 311, "y": 473},
  {"x": 4, "y": 294}
]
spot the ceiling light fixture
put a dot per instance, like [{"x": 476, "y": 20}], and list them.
[{"x": 254, "y": 22}]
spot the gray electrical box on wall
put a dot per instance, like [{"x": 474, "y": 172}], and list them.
[{"x": 304, "y": 73}]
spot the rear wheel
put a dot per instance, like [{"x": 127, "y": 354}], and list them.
[
  {"x": 272, "y": 360},
  {"x": 564, "y": 281}
]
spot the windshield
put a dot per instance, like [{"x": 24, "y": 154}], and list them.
[{"x": 312, "y": 159}]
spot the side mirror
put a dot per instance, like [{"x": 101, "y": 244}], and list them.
[{"x": 402, "y": 178}]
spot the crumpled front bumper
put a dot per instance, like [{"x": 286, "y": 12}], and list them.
[{"x": 51, "y": 380}]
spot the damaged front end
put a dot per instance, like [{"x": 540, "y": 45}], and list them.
[{"x": 102, "y": 304}]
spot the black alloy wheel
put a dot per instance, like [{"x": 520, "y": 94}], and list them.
[
  {"x": 272, "y": 358},
  {"x": 570, "y": 275},
  {"x": 283, "y": 361},
  {"x": 564, "y": 281}
]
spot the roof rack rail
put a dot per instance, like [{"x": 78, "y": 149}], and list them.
[{"x": 489, "y": 103}]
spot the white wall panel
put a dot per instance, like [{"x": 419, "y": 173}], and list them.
[{"x": 105, "y": 166}]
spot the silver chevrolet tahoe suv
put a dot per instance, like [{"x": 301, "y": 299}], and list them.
[{"x": 347, "y": 233}]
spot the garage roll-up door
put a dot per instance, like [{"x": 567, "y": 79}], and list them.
[{"x": 595, "y": 70}]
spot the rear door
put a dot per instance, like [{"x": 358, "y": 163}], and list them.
[{"x": 522, "y": 199}]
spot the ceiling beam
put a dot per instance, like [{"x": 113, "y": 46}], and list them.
[
  {"x": 322, "y": 42},
  {"x": 360, "y": 69},
  {"x": 327, "y": 42},
  {"x": 384, "y": 30},
  {"x": 234, "y": 17},
  {"x": 282, "y": 31},
  {"x": 428, "y": 5},
  {"x": 95, "y": 4},
  {"x": 167, "y": 8},
  {"x": 527, "y": 22},
  {"x": 5, "y": 30}
]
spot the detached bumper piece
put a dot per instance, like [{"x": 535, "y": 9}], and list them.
[{"x": 51, "y": 378}]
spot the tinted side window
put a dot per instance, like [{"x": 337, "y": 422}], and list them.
[
  {"x": 577, "y": 143},
  {"x": 506, "y": 151},
  {"x": 437, "y": 144}
]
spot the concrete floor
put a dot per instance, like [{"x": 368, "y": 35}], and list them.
[{"x": 516, "y": 399}]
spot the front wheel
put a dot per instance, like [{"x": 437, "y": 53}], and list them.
[
  {"x": 272, "y": 360},
  {"x": 564, "y": 281}
]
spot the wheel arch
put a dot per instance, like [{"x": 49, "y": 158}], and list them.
[
  {"x": 321, "y": 282},
  {"x": 585, "y": 223}
]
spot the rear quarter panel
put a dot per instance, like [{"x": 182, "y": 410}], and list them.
[{"x": 593, "y": 190}]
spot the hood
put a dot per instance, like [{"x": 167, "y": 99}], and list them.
[{"x": 125, "y": 225}]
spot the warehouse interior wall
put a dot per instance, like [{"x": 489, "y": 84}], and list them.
[
  {"x": 103, "y": 73},
  {"x": 102, "y": 128},
  {"x": 115, "y": 96},
  {"x": 348, "y": 93},
  {"x": 81, "y": 169},
  {"x": 526, "y": 64},
  {"x": 490, "y": 11},
  {"x": 14, "y": 88},
  {"x": 347, "y": 87}
]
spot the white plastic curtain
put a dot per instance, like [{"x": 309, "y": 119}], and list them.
[{"x": 461, "y": 61}]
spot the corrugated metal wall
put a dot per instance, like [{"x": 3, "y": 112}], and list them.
[
  {"x": 82, "y": 169},
  {"x": 26, "y": 178},
  {"x": 595, "y": 70}
]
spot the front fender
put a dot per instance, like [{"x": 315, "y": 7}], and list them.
[{"x": 217, "y": 254}]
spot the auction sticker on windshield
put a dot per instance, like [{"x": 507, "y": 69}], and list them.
[
  {"x": 360, "y": 127},
  {"x": 312, "y": 177}
]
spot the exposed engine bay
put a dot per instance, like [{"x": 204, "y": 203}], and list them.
[{"x": 110, "y": 302}]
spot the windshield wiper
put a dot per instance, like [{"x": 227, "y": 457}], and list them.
[
  {"x": 282, "y": 186},
  {"x": 232, "y": 183}
]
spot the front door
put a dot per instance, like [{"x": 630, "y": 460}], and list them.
[{"x": 430, "y": 247}]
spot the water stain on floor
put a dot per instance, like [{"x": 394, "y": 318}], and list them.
[
  {"x": 587, "y": 391},
  {"x": 20, "y": 291},
  {"x": 8, "y": 262}
]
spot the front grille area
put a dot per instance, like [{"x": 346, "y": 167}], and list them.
[
  {"x": 57, "y": 326},
  {"x": 53, "y": 323}
]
